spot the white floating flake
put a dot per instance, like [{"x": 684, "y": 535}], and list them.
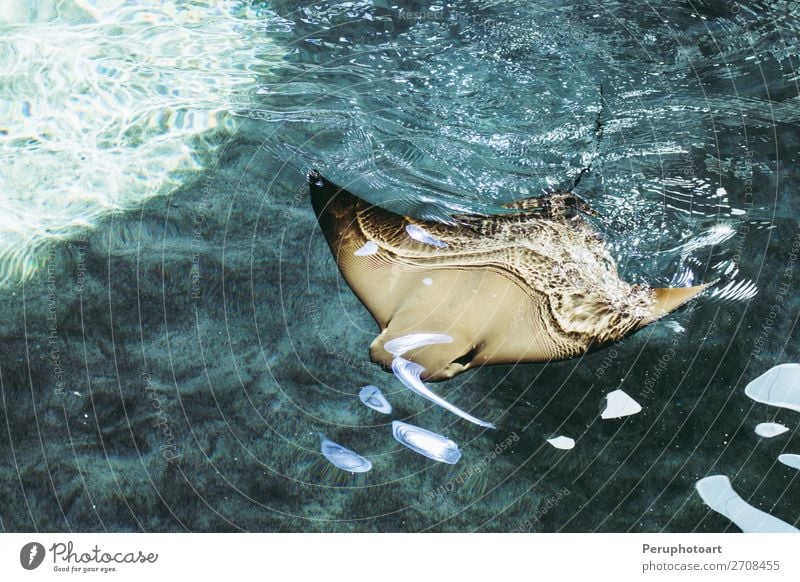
[
  {"x": 779, "y": 386},
  {"x": 792, "y": 461},
  {"x": 370, "y": 248},
  {"x": 420, "y": 234},
  {"x": 426, "y": 443},
  {"x": 768, "y": 430},
  {"x": 562, "y": 442},
  {"x": 717, "y": 492},
  {"x": 427, "y": 281},
  {"x": 400, "y": 345},
  {"x": 675, "y": 326},
  {"x": 373, "y": 398},
  {"x": 409, "y": 374},
  {"x": 343, "y": 457},
  {"x": 619, "y": 404}
]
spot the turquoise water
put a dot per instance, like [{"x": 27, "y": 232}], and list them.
[{"x": 171, "y": 354}]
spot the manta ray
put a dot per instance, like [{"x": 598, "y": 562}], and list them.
[{"x": 535, "y": 283}]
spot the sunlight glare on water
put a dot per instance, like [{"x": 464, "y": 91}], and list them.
[{"x": 101, "y": 106}]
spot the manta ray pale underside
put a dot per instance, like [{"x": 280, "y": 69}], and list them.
[{"x": 534, "y": 284}]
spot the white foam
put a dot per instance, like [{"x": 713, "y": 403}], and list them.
[
  {"x": 373, "y": 398},
  {"x": 427, "y": 281},
  {"x": 779, "y": 386},
  {"x": 790, "y": 460},
  {"x": 370, "y": 248},
  {"x": 718, "y": 493},
  {"x": 400, "y": 345},
  {"x": 426, "y": 442},
  {"x": 409, "y": 374},
  {"x": 420, "y": 234},
  {"x": 562, "y": 442},
  {"x": 768, "y": 430},
  {"x": 619, "y": 404},
  {"x": 105, "y": 103}
]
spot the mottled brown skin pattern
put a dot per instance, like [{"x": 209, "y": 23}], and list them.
[{"x": 534, "y": 285}]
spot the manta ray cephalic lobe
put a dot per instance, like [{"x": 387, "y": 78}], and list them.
[{"x": 535, "y": 284}]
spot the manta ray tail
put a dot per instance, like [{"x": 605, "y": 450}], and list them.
[{"x": 669, "y": 299}]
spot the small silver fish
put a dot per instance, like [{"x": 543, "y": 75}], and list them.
[
  {"x": 409, "y": 374},
  {"x": 373, "y": 398},
  {"x": 426, "y": 443},
  {"x": 343, "y": 457}
]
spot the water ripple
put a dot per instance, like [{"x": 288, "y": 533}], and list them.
[{"x": 104, "y": 104}]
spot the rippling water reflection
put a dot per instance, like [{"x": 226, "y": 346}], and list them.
[
  {"x": 466, "y": 105},
  {"x": 105, "y": 103}
]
